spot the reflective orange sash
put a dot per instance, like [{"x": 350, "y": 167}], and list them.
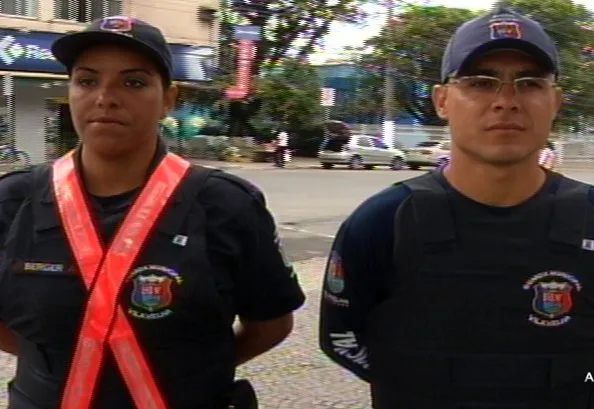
[{"x": 104, "y": 275}]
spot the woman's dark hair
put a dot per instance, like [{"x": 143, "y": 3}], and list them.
[{"x": 550, "y": 145}]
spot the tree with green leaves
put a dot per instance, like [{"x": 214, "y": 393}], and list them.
[
  {"x": 568, "y": 24},
  {"x": 290, "y": 94},
  {"x": 416, "y": 39},
  {"x": 290, "y": 29},
  {"x": 414, "y": 42}
]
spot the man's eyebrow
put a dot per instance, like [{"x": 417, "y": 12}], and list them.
[
  {"x": 481, "y": 71},
  {"x": 533, "y": 72},
  {"x": 530, "y": 72}
]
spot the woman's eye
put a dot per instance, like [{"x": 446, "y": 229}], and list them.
[
  {"x": 135, "y": 83},
  {"x": 85, "y": 82}
]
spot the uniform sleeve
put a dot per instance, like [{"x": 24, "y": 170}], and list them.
[
  {"x": 267, "y": 285},
  {"x": 360, "y": 259},
  {"x": 12, "y": 193}
]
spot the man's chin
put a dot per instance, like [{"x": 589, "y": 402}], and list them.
[
  {"x": 508, "y": 160},
  {"x": 504, "y": 156}
]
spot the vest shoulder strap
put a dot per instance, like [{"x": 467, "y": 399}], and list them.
[
  {"x": 572, "y": 213},
  {"x": 431, "y": 209},
  {"x": 193, "y": 183},
  {"x": 173, "y": 221},
  {"x": 435, "y": 222}
]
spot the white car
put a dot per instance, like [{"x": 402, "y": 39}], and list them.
[
  {"x": 360, "y": 152},
  {"x": 427, "y": 153}
]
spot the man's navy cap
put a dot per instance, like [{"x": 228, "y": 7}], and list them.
[
  {"x": 116, "y": 30},
  {"x": 499, "y": 29}
]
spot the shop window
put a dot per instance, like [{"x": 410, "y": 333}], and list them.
[
  {"x": 85, "y": 11},
  {"x": 26, "y": 8}
]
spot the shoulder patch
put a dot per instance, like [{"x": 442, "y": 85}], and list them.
[{"x": 335, "y": 273}]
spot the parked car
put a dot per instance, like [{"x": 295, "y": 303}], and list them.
[
  {"x": 427, "y": 153},
  {"x": 549, "y": 160},
  {"x": 360, "y": 152}
]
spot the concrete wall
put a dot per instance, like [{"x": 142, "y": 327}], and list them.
[
  {"x": 177, "y": 18},
  {"x": 30, "y": 111}
]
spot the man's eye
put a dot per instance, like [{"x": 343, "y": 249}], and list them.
[
  {"x": 531, "y": 83},
  {"x": 482, "y": 83}
]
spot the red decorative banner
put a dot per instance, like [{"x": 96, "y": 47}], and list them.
[{"x": 245, "y": 61}]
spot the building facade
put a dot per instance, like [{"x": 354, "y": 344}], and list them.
[{"x": 33, "y": 104}]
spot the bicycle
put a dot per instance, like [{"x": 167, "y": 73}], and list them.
[{"x": 9, "y": 154}]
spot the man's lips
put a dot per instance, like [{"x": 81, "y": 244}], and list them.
[{"x": 506, "y": 126}]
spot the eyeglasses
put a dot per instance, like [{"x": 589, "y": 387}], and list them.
[{"x": 485, "y": 86}]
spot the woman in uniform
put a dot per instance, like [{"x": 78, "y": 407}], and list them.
[{"x": 124, "y": 268}]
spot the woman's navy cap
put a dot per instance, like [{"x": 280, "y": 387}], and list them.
[
  {"x": 116, "y": 30},
  {"x": 500, "y": 29}
]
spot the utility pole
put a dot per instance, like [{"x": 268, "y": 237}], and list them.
[{"x": 389, "y": 89}]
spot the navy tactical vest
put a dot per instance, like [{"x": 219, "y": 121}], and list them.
[{"x": 489, "y": 312}]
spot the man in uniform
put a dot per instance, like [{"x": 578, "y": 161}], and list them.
[{"x": 472, "y": 287}]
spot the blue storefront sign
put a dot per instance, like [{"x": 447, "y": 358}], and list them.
[
  {"x": 30, "y": 52},
  {"x": 252, "y": 33},
  {"x": 192, "y": 63}
]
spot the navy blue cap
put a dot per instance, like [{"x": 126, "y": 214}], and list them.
[
  {"x": 499, "y": 29},
  {"x": 117, "y": 30}
]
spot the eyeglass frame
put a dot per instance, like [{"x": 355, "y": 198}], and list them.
[{"x": 550, "y": 84}]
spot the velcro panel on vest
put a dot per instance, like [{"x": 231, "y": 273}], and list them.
[
  {"x": 569, "y": 218},
  {"x": 506, "y": 382},
  {"x": 432, "y": 210}
]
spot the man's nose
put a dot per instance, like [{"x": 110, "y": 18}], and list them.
[{"x": 506, "y": 97}]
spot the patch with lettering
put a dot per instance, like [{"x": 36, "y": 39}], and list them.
[{"x": 152, "y": 294}]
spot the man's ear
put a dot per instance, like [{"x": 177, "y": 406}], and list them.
[{"x": 439, "y": 96}]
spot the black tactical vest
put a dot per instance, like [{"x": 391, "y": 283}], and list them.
[
  {"x": 491, "y": 313},
  {"x": 194, "y": 365}
]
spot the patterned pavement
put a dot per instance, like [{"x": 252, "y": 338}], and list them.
[{"x": 295, "y": 375}]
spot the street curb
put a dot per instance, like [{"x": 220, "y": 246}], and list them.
[{"x": 252, "y": 167}]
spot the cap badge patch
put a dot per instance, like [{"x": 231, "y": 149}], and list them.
[
  {"x": 505, "y": 29},
  {"x": 117, "y": 24}
]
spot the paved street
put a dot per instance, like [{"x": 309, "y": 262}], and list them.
[{"x": 309, "y": 206}]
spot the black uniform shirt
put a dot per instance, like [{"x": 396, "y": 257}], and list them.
[
  {"x": 230, "y": 266},
  {"x": 362, "y": 260}
]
